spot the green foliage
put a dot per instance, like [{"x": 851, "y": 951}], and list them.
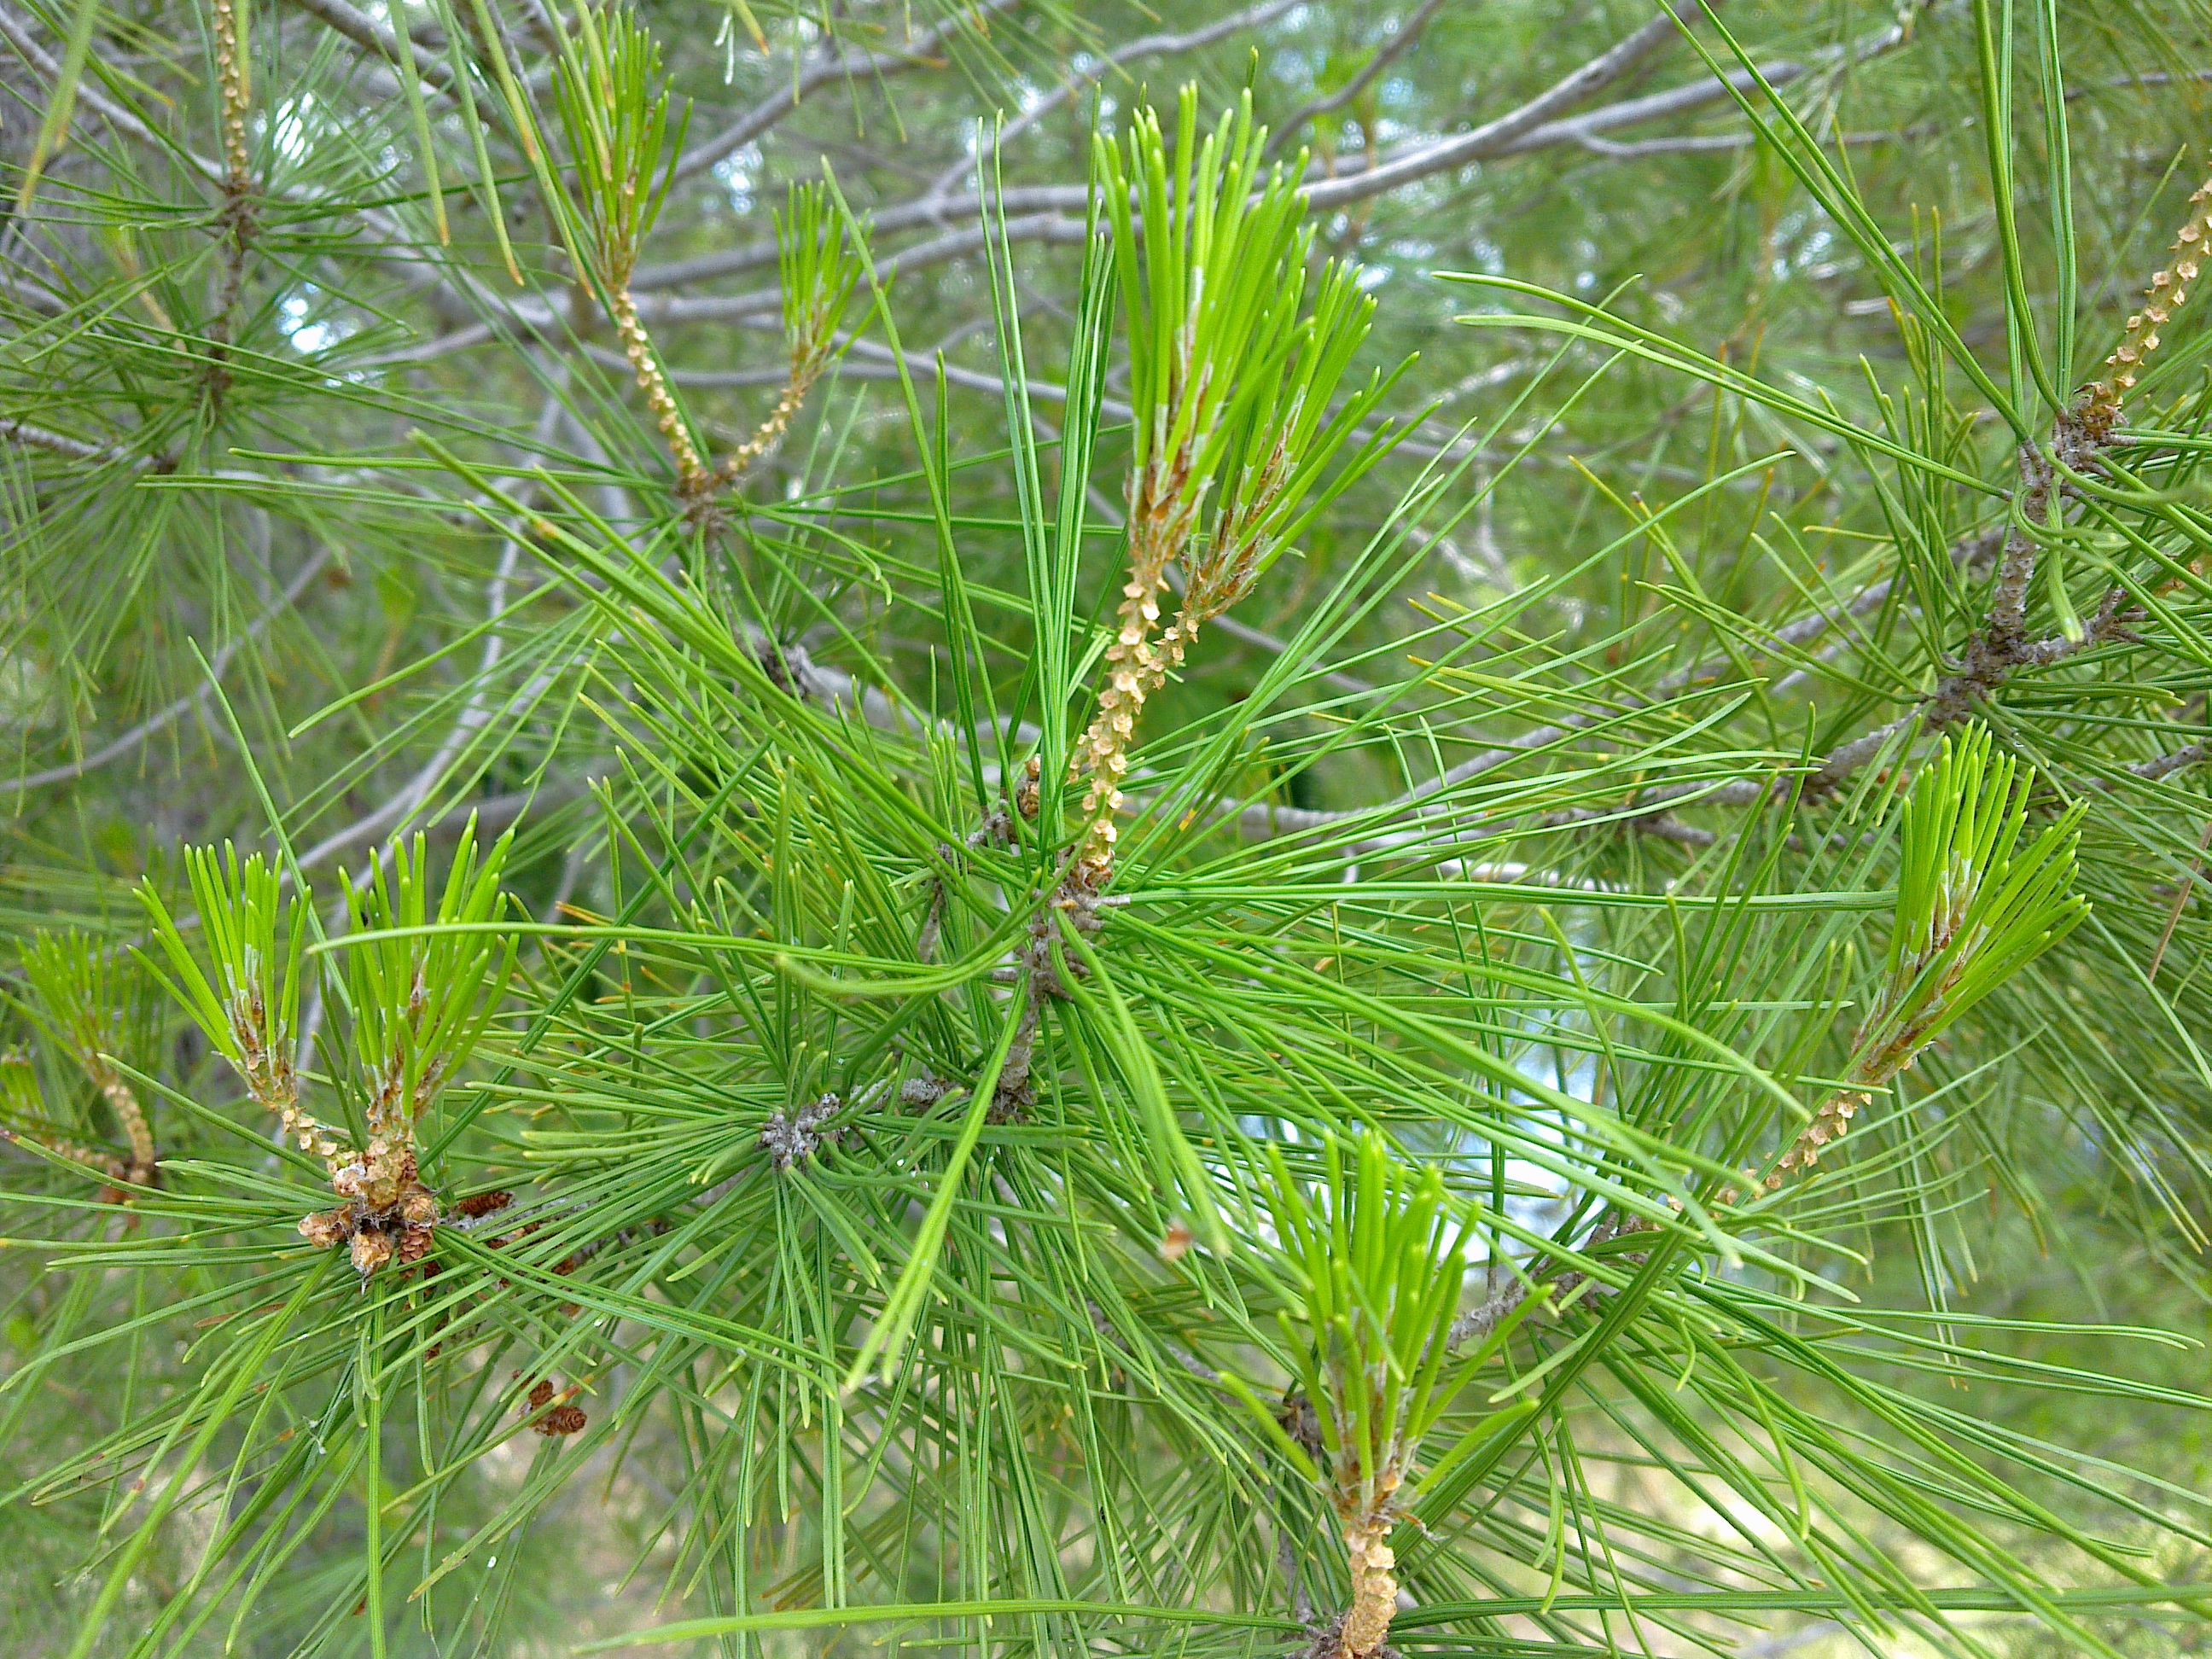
[
  {"x": 1973, "y": 907},
  {"x": 424, "y": 983},
  {"x": 1231, "y": 379},
  {"x": 20, "y": 1096},
  {"x": 612, "y": 101},
  {"x": 249, "y": 1008},
  {"x": 819, "y": 268},
  {"x": 75, "y": 994},
  {"x": 1613, "y": 1064},
  {"x": 1376, "y": 1260}
]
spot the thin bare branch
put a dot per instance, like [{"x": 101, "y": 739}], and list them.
[
  {"x": 2166, "y": 765},
  {"x": 137, "y": 737},
  {"x": 366, "y": 33},
  {"x": 32, "y": 436},
  {"x": 1142, "y": 50},
  {"x": 1400, "y": 42},
  {"x": 835, "y": 66},
  {"x": 1496, "y": 136}
]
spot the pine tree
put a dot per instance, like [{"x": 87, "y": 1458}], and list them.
[{"x": 1433, "y": 904}]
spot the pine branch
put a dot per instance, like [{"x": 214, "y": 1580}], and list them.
[
  {"x": 1144, "y": 50},
  {"x": 934, "y": 1152},
  {"x": 366, "y": 33},
  {"x": 1399, "y": 42},
  {"x": 193, "y": 702},
  {"x": 839, "y": 67},
  {"x": 31, "y": 436}
]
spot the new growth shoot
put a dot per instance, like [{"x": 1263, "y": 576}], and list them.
[
  {"x": 612, "y": 98},
  {"x": 1974, "y": 906},
  {"x": 247, "y": 1000},
  {"x": 2099, "y": 408},
  {"x": 1231, "y": 374},
  {"x": 423, "y": 984},
  {"x": 1375, "y": 1259},
  {"x": 75, "y": 998},
  {"x": 613, "y": 108}
]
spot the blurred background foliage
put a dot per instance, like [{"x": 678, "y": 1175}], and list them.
[{"x": 298, "y": 480}]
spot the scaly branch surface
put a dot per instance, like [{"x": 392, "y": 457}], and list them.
[
  {"x": 233, "y": 90},
  {"x": 1163, "y": 512},
  {"x": 692, "y": 477}
]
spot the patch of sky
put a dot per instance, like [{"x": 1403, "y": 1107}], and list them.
[
  {"x": 739, "y": 174},
  {"x": 294, "y": 127},
  {"x": 310, "y": 334}
]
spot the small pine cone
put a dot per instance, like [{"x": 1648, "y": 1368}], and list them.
[
  {"x": 371, "y": 1250},
  {"x": 414, "y": 1245},
  {"x": 324, "y": 1228},
  {"x": 478, "y": 1204},
  {"x": 564, "y": 1419}
]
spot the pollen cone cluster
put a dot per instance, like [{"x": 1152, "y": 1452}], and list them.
[{"x": 388, "y": 1215}]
